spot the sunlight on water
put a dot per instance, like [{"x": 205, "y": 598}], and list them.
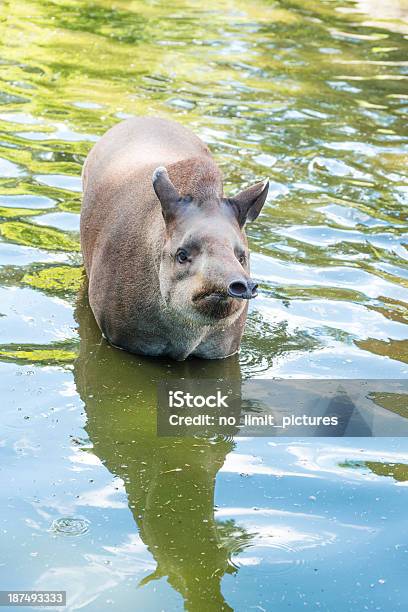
[{"x": 312, "y": 95}]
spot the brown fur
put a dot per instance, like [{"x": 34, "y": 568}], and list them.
[{"x": 141, "y": 297}]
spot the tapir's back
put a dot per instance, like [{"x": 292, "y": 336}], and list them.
[
  {"x": 118, "y": 170},
  {"x": 139, "y": 142}
]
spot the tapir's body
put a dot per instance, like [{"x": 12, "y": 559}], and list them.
[{"x": 131, "y": 231}]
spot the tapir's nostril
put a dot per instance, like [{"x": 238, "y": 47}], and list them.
[
  {"x": 237, "y": 289},
  {"x": 244, "y": 290},
  {"x": 254, "y": 289}
]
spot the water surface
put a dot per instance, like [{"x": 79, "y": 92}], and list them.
[{"x": 312, "y": 95}]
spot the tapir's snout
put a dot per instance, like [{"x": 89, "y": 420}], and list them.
[{"x": 244, "y": 289}]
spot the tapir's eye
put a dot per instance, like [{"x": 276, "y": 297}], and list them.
[
  {"x": 242, "y": 258},
  {"x": 186, "y": 199},
  {"x": 182, "y": 256}
]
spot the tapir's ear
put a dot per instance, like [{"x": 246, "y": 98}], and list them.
[
  {"x": 166, "y": 192},
  {"x": 248, "y": 203}
]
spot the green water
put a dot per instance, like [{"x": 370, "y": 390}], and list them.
[{"x": 313, "y": 95}]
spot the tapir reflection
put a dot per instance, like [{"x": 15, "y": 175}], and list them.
[{"x": 169, "y": 482}]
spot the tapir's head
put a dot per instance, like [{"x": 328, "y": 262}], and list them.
[{"x": 204, "y": 267}]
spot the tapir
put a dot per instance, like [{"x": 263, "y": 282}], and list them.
[{"x": 164, "y": 249}]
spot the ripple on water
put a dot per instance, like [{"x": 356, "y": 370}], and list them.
[
  {"x": 348, "y": 216},
  {"x": 276, "y": 567},
  {"x": 26, "y": 201},
  {"x": 70, "y": 526},
  {"x": 60, "y": 181},
  {"x": 9, "y": 170},
  {"x": 68, "y": 222},
  {"x": 303, "y": 93}
]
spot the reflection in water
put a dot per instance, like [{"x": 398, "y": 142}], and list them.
[
  {"x": 169, "y": 482},
  {"x": 314, "y": 93},
  {"x": 397, "y": 403},
  {"x": 397, "y": 471}
]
